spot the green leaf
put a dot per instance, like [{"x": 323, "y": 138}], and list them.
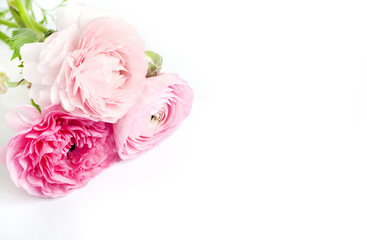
[
  {"x": 21, "y": 37},
  {"x": 4, "y": 12},
  {"x": 48, "y": 33},
  {"x": 155, "y": 62},
  {"x": 36, "y": 106},
  {"x": 4, "y": 38}
]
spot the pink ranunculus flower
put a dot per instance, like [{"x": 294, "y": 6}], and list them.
[
  {"x": 165, "y": 102},
  {"x": 94, "y": 65},
  {"x": 55, "y": 153}
]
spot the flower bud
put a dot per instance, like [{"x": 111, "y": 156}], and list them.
[
  {"x": 154, "y": 63},
  {"x": 3, "y": 86}
]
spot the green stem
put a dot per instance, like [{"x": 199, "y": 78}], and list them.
[
  {"x": 8, "y": 23},
  {"x": 15, "y": 84},
  {"x": 25, "y": 17},
  {"x": 16, "y": 16},
  {"x": 4, "y": 38},
  {"x": 28, "y": 5},
  {"x": 39, "y": 26}
]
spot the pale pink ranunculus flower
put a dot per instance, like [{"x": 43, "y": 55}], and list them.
[
  {"x": 165, "y": 102},
  {"x": 55, "y": 153},
  {"x": 94, "y": 65}
]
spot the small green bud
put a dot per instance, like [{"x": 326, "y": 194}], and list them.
[
  {"x": 3, "y": 85},
  {"x": 154, "y": 63}
]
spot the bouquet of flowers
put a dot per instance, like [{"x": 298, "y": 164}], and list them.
[{"x": 96, "y": 96}]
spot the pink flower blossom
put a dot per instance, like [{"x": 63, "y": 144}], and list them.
[
  {"x": 165, "y": 102},
  {"x": 56, "y": 153},
  {"x": 94, "y": 65}
]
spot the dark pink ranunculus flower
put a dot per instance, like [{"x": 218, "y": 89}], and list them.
[
  {"x": 165, "y": 102},
  {"x": 56, "y": 153}
]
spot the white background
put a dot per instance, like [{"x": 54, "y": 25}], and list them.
[{"x": 275, "y": 146}]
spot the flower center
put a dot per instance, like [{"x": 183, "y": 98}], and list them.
[
  {"x": 72, "y": 148},
  {"x": 157, "y": 118}
]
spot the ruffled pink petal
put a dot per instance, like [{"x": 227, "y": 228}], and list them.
[
  {"x": 57, "y": 152},
  {"x": 166, "y": 95},
  {"x": 93, "y": 66},
  {"x": 3, "y": 150},
  {"x": 22, "y": 118}
]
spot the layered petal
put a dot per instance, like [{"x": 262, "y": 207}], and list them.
[
  {"x": 165, "y": 102},
  {"x": 58, "y": 153},
  {"x": 93, "y": 66}
]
